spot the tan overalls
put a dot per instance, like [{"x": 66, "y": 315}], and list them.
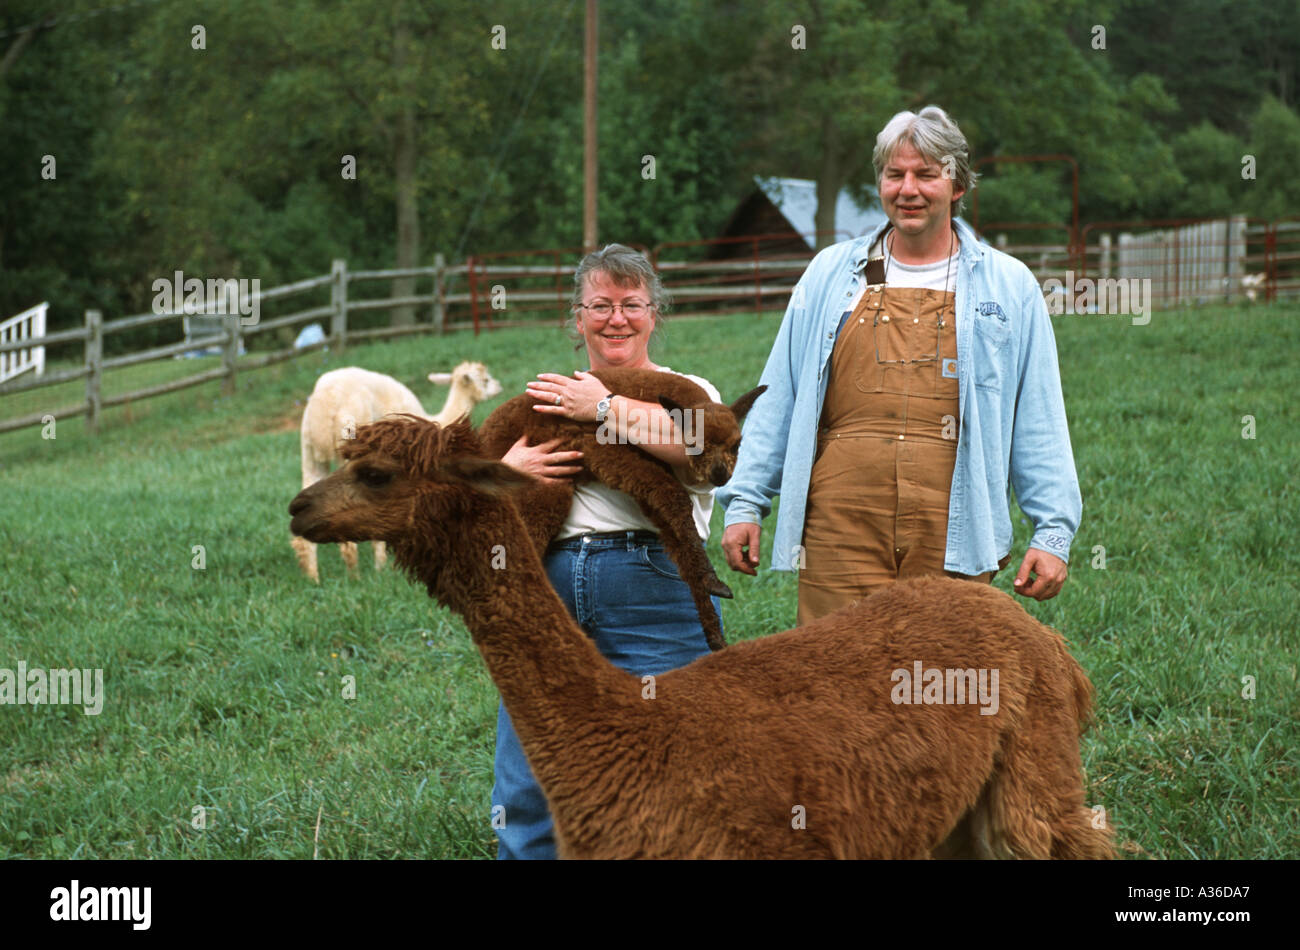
[{"x": 878, "y": 497}]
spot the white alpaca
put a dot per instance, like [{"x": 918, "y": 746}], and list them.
[
  {"x": 470, "y": 384},
  {"x": 349, "y": 397}
]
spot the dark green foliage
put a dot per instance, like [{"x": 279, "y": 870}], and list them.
[{"x": 226, "y": 160}]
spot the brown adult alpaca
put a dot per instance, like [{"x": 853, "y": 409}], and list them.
[
  {"x": 784, "y": 747},
  {"x": 649, "y": 481}
]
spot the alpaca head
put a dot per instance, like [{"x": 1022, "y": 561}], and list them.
[
  {"x": 405, "y": 480},
  {"x": 473, "y": 378},
  {"x": 712, "y": 434}
]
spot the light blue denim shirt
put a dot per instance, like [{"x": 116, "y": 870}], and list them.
[{"x": 1012, "y": 432}]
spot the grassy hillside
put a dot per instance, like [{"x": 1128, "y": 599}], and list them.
[{"x": 224, "y": 684}]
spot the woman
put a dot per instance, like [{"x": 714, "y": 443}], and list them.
[{"x": 606, "y": 562}]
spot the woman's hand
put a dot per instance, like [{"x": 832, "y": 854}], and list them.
[
  {"x": 541, "y": 461},
  {"x": 578, "y": 396}
]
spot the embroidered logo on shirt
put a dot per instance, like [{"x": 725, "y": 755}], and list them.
[
  {"x": 990, "y": 308},
  {"x": 950, "y": 369}
]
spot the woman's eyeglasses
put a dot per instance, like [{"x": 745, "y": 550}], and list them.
[{"x": 631, "y": 309}]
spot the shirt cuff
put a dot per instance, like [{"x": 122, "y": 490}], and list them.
[
  {"x": 740, "y": 513},
  {"x": 1053, "y": 542}
]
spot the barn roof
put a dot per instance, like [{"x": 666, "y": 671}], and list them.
[{"x": 796, "y": 199}]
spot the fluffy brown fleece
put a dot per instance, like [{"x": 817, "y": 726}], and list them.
[
  {"x": 658, "y": 492},
  {"x": 784, "y": 747}
]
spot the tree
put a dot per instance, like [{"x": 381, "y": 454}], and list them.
[
  {"x": 1275, "y": 143},
  {"x": 821, "y": 82},
  {"x": 1216, "y": 57},
  {"x": 218, "y": 140},
  {"x": 58, "y": 208},
  {"x": 1210, "y": 160}
]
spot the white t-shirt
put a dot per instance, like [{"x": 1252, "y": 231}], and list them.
[
  {"x": 598, "y": 508},
  {"x": 939, "y": 275}
]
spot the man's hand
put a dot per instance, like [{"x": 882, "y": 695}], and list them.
[
  {"x": 740, "y": 545},
  {"x": 1051, "y": 573},
  {"x": 541, "y": 461}
]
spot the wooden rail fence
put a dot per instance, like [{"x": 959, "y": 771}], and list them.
[
  {"x": 234, "y": 333},
  {"x": 708, "y": 274}
]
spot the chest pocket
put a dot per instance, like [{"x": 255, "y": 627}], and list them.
[
  {"x": 902, "y": 347},
  {"x": 992, "y": 345}
]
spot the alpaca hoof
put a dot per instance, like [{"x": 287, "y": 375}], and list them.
[{"x": 717, "y": 588}]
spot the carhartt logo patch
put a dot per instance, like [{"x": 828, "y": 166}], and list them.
[{"x": 950, "y": 369}]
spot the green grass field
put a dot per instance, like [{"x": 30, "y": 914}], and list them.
[{"x": 224, "y": 685}]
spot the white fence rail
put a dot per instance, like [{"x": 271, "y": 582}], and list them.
[
  {"x": 1195, "y": 262},
  {"x": 28, "y": 325}
]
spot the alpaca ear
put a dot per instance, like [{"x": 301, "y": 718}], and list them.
[
  {"x": 740, "y": 408},
  {"x": 440, "y": 379},
  {"x": 486, "y": 475},
  {"x": 672, "y": 405}
]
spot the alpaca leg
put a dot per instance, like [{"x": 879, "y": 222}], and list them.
[
  {"x": 668, "y": 506},
  {"x": 1078, "y": 837},
  {"x": 684, "y": 555},
  {"x": 381, "y": 554},
  {"x": 1045, "y": 823},
  {"x": 348, "y": 549},
  {"x": 306, "y": 552},
  {"x": 1036, "y": 802},
  {"x": 313, "y": 470},
  {"x": 1080, "y": 833},
  {"x": 985, "y": 840},
  {"x": 1015, "y": 824}
]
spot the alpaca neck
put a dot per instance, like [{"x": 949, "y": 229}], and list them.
[
  {"x": 549, "y": 673},
  {"x": 459, "y": 401}
]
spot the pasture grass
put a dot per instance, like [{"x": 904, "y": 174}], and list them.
[{"x": 224, "y": 685}]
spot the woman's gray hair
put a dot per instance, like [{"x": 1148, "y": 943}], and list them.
[
  {"x": 627, "y": 268},
  {"x": 936, "y": 136}
]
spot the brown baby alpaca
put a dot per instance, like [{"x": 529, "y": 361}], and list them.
[
  {"x": 789, "y": 746},
  {"x": 650, "y": 482}
]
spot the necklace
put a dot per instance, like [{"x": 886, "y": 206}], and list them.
[
  {"x": 938, "y": 333},
  {"x": 947, "y": 267}
]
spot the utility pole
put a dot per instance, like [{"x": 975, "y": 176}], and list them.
[{"x": 589, "y": 133}]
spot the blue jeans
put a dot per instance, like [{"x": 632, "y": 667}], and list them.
[{"x": 626, "y": 594}]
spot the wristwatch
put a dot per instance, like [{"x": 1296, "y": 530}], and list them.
[{"x": 602, "y": 407}]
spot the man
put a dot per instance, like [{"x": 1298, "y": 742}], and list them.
[{"x": 904, "y": 396}]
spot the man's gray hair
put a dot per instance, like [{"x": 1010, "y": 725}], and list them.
[{"x": 936, "y": 136}]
